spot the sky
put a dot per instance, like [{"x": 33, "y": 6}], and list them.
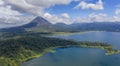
[{"x": 18, "y": 12}]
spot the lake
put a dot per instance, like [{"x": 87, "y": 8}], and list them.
[{"x": 74, "y": 56}]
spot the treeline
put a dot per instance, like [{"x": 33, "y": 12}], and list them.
[
  {"x": 20, "y": 48},
  {"x": 14, "y": 51}
]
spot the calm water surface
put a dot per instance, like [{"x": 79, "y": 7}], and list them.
[
  {"x": 81, "y": 56},
  {"x": 105, "y": 37}
]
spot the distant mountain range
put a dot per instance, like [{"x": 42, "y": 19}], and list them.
[{"x": 40, "y": 24}]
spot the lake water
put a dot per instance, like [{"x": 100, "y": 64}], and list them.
[{"x": 73, "y": 56}]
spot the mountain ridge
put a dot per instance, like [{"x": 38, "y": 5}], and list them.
[{"x": 39, "y": 24}]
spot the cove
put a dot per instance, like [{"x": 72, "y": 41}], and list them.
[
  {"x": 95, "y": 36},
  {"x": 74, "y": 56}
]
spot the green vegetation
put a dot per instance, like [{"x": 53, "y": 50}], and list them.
[
  {"x": 107, "y": 47},
  {"x": 20, "y": 48},
  {"x": 14, "y": 51},
  {"x": 22, "y": 43},
  {"x": 67, "y": 33}
]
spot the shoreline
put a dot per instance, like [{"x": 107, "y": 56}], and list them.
[
  {"x": 70, "y": 33},
  {"x": 37, "y": 51},
  {"x": 107, "y": 53}
]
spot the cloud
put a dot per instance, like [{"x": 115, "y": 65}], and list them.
[
  {"x": 85, "y": 5},
  {"x": 65, "y": 15},
  {"x": 47, "y": 3},
  {"x": 101, "y": 17},
  {"x": 7, "y": 14},
  {"x": 6, "y": 10},
  {"x": 117, "y": 11},
  {"x": 36, "y": 7},
  {"x": 18, "y": 12},
  {"x": 63, "y": 18},
  {"x": 1, "y": 2},
  {"x": 22, "y": 11},
  {"x": 97, "y": 17},
  {"x": 15, "y": 21},
  {"x": 25, "y": 7},
  {"x": 10, "y": 17}
]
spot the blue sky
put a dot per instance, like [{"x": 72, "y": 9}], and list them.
[
  {"x": 56, "y": 11},
  {"x": 109, "y": 8}
]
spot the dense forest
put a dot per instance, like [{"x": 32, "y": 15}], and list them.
[{"x": 17, "y": 49}]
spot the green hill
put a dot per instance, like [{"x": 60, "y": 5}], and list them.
[
  {"x": 18, "y": 49},
  {"x": 14, "y": 51}
]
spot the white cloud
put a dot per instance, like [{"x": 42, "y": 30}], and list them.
[
  {"x": 37, "y": 7},
  {"x": 26, "y": 7},
  {"x": 117, "y": 12},
  {"x": 85, "y": 5},
  {"x": 15, "y": 21},
  {"x": 64, "y": 18},
  {"x": 7, "y": 14},
  {"x": 65, "y": 15},
  {"x": 11, "y": 11},
  {"x": 97, "y": 17},
  {"x": 101, "y": 17},
  {"x": 10, "y": 17},
  {"x": 7, "y": 11},
  {"x": 1, "y": 2},
  {"x": 47, "y": 3}
]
